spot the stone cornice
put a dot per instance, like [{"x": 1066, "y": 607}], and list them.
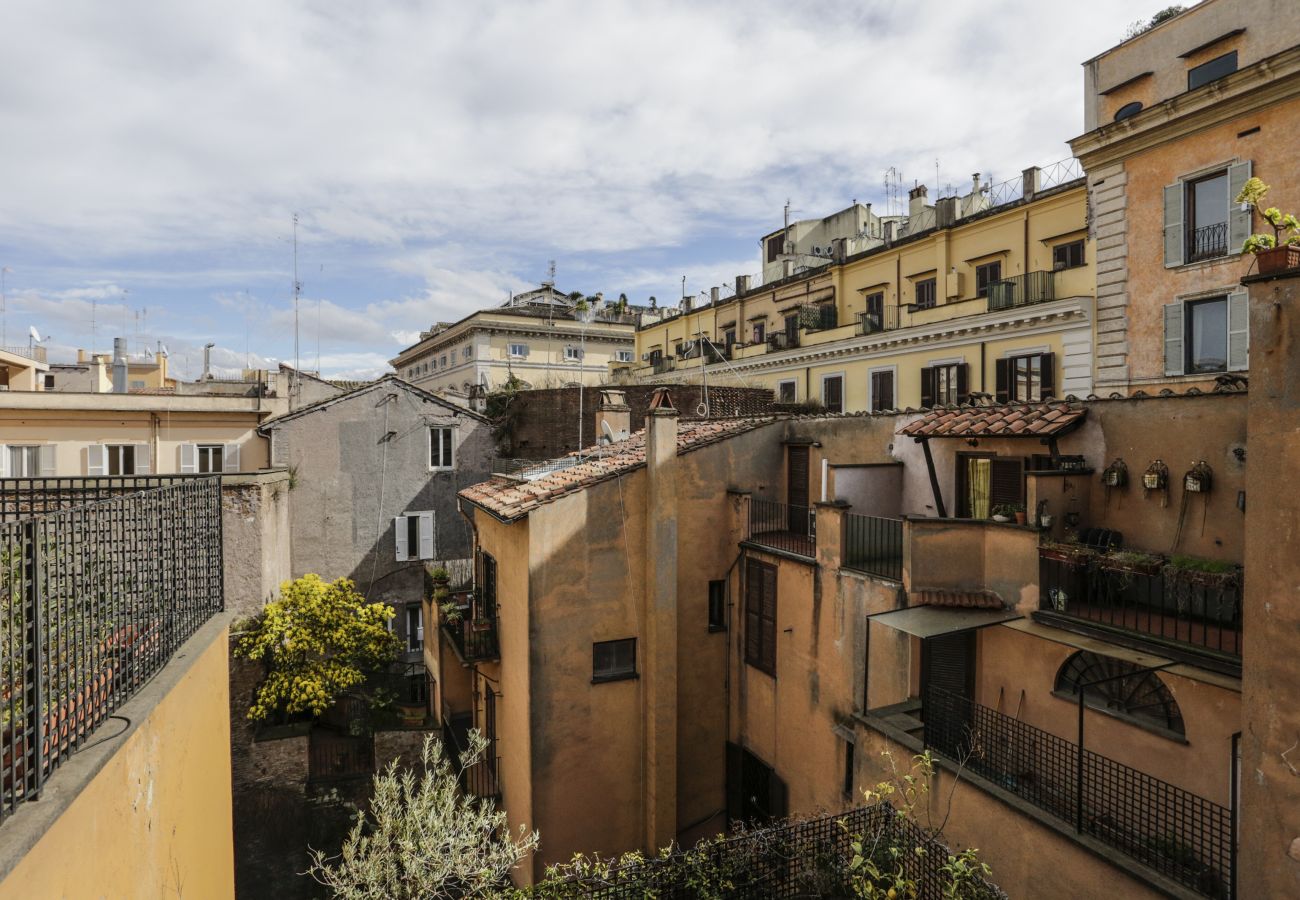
[{"x": 1267, "y": 82}]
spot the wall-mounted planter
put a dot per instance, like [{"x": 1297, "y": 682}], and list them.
[{"x": 1279, "y": 259}]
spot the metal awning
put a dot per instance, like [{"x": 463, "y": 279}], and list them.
[{"x": 932, "y": 621}]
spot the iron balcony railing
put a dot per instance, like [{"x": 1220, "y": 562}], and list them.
[
  {"x": 1194, "y": 609},
  {"x": 663, "y": 364},
  {"x": 1022, "y": 290},
  {"x": 94, "y": 600},
  {"x": 783, "y": 340},
  {"x": 873, "y": 545},
  {"x": 473, "y": 629},
  {"x": 1177, "y": 833},
  {"x": 1207, "y": 242},
  {"x": 783, "y": 527},
  {"x": 874, "y": 322},
  {"x": 36, "y": 496},
  {"x": 33, "y": 353},
  {"x": 818, "y": 317},
  {"x": 482, "y": 778},
  {"x": 409, "y": 683}
]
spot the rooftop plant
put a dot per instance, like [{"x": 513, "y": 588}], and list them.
[{"x": 1286, "y": 227}]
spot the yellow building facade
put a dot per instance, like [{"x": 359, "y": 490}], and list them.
[{"x": 999, "y": 300}]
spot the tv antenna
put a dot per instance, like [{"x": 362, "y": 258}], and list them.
[
  {"x": 4, "y": 306},
  {"x": 296, "y": 386}
]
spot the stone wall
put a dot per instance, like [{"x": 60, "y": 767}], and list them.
[{"x": 255, "y": 539}]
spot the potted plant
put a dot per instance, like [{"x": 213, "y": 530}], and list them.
[
  {"x": 452, "y": 614},
  {"x": 440, "y": 576},
  {"x": 1018, "y": 510},
  {"x": 1003, "y": 512},
  {"x": 1075, "y": 554},
  {"x": 1276, "y": 252},
  {"x": 1206, "y": 588},
  {"x": 1131, "y": 562}
]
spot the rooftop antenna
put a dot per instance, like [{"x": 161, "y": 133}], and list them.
[
  {"x": 4, "y": 306},
  {"x": 296, "y": 385},
  {"x": 683, "y": 287},
  {"x": 550, "y": 275},
  {"x": 94, "y": 304},
  {"x": 322, "y": 273}
]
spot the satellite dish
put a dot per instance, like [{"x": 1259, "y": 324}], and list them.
[{"x": 36, "y": 335}]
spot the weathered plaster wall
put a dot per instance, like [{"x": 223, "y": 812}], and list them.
[{"x": 255, "y": 539}]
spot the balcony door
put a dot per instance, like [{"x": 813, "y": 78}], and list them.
[
  {"x": 948, "y": 663},
  {"x": 796, "y": 491}
]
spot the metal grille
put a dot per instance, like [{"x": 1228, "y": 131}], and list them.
[
  {"x": 95, "y": 600},
  {"x": 1207, "y": 242},
  {"x": 802, "y": 858},
  {"x": 783, "y": 527},
  {"x": 1022, "y": 290},
  {"x": 1175, "y": 832},
  {"x": 874, "y": 545},
  {"x": 35, "y": 496},
  {"x": 475, "y": 631}
]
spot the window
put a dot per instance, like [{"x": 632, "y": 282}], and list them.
[
  {"x": 211, "y": 458},
  {"x": 775, "y": 245},
  {"x": 944, "y": 385},
  {"x": 1207, "y": 217},
  {"x": 848, "y": 768},
  {"x": 137, "y": 384},
  {"x": 717, "y": 606},
  {"x": 440, "y": 447},
  {"x": 1212, "y": 70},
  {"x": 1207, "y": 335},
  {"x": 986, "y": 275},
  {"x": 49, "y": 382},
  {"x": 728, "y": 337},
  {"x": 833, "y": 393},
  {"x": 469, "y": 353},
  {"x": 414, "y": 628},
  {"x": 1201, "y": 221},
  {"x": 443, "y": 361},
  {"x": 925, "y": 294},
  {"x": 413, "y": 535},
  {"x": 1121, "y": 689},
  {"x": 572, "y": 354},
  {"x": 873, "y": 319},
  {"x": 613, "y": 660},
  {"x": 519, "y": 350},
  {"x": 1029, "y": 378},
  {"x": 760, "y": 332},
  {"x": 985, "y": 482},
  {"x": 1128, "y": 110},
  {"x": 121, "y": 459},
  {"x": 1067, "y": 256},
  {"x": 24, "y": 462},
  {"x": 785, "y": 392},
  {"x": 623, "y": 356},
  {"x": 760, "y": 616},
  {"x": 881, "y": 389}
]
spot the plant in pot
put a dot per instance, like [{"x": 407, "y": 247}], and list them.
[
  {"x": 1131, "y": 562},
  {"x": 452, "y": 614},
  {"x": 1276, "y": 252},
  {"x": 1003, "y": 512},
  {"x": 1018, "y": 511},
  {"x": 1206, "y": 588}
]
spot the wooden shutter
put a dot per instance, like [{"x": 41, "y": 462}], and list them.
[
  {"x": 426, "y": 535},
  {"x": 399, "y": 532},
  {"x": 949, "y": 662},
  {"x": 143, "y": 459},
  {"x": 4, "y": 460},
  {"x": 1174, "y": 361},
  {"x": 1239, "y": 220},
  {"x": 833, "y": 393},
  {"x": 1007, "y": 481},
  {"x": 797, "y": 482},
  {"x": 1002, "y": 380},
  {"x": 753, "y": 612},
  {"x": 48, "y": 460},
  {"x": 97, "y": 460},
  {"x": 927, "y": 387},
  {"x": 768, "y": 614},
  {"x": 230, "y": 458},
  {"x": 1047, "y": 361},
  {"x": 963, "y": 383},
  {"x": 189, "y": 458},
  {"x": 1174, "y": 244},
  {"x": 1238, "y": 331}
]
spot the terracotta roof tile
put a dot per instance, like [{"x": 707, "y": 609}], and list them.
[
  {"x": 960, "y": 599},
  {"x": 1007, "y": 420},
  {"x": 510, "y": 497}
]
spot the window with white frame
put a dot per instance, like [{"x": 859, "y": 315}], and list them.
[
  {"x": 469, "y": 353},
  {"x": 414, "y": 628},
  {"x": 413, "y": 536},
  {"x": 785, "y": 392},
  {"x": 572, "y": 354},
  {"x": 120, "y": 459},
  {"x": 211, "y": 458},
  {"x": 440, "y": 447},
  {"x": 623, "y": 356},
  {"x": 518, "y": 350},
  {"x": 24, "y": 461}
]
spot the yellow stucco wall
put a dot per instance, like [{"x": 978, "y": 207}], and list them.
[{"x": 156, "y": 820}]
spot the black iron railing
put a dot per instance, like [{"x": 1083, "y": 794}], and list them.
[
  {"x": 1177, "y": 833},
  {"x": 873, "y": 322},
  {"x": 874, "y": 545},
  {"x": 94, "y": 600},
  {"x": 662, "y": 365},
  {"x": 1022, "y": 290},
  {"x": 783, "y": 527},
  {"x": 818, "y": 317},
  {"x": 473, "y": 629},
  {"x": 783, "y": 340},
  {"x": 481, "y": 778},
  {"x": 1200, "y": 610},
  {"x": 333, "y": 755},
  {"x": 1207, "y": 242},
  {"x": 408, "y": 683},
  {"x": 34, "y": 496}
]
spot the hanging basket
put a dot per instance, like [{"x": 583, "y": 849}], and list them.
[{"x": 1115, "y": 475}]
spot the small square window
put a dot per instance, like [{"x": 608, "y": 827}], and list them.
[
  {"x": 613, "y": 660},
  {"x": 121, "y": 459},
  {"x": 210, "y": 458},
  {"x": 572, "y": 354},
  {"x": 717, "y": 606},
  {"x": 519, "y": 350},
  {"x": 624, "y": 356}
]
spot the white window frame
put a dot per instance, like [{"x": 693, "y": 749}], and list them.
[
  {"x": 794, "y": 383},
  {"x": 517, "y": 351},
  {"x": 30, "y": 458},
  {"x": 119, "y": 451},
  {"x": 424, "y": 532},
  {"x": 624, "y": 356},
  {"x": 415, "y": 638},
  {"x": 871, "y": 397},
  {"x": 445, "y": 433},
  {"x": 205, "y": 456},
  {"x": 572, "y": 354}
]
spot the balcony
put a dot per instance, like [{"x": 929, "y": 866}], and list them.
[
  {"x": 1147, "y": 598},
  {"x": 780, "y": 526},
  {"x": 34, "y": 353},
  {"x": 873, "y": 546},
  {"x": 783, "y": 340},
  {"x": 874, "y": 322},
  {"x": 1207, "y": 242},
  {"x": 1022, "y": 290},
  {"x": 473, "y": 630},
  {"x": 662, "y": 364},
  {"x": 482, "y": 778},
  {"x": 1181, "y": 835},
  {"x": 822, "y": 317}
]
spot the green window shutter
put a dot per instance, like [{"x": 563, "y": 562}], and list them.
[
  {"x": 1174, "y": 225},
  {"x": 1238, "y": 331},
  {"x": 1239, "y": 222},
  {"x": 1174, "y": 338}
]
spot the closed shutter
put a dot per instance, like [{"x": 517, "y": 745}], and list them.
[
  {"x": 769, "y": 619},
  {"x": 1174, "y": 338},
  {"x": 189, "y": 458},
  {"x": 1007, "y": 481},
  {"x": 1238, "y": 331},
  {"x": 96, "y": 460},
  {"x": 4, "y": 461},
  {"x": 833, "y": 388},
  {"x": 1239, "y": 220},
  {"x": 753, "y": 617},
  {"x": 1174, "y": 243},
  {"x": 48, "y": 460},
  {"x": 399, "y": 532},
  {"x": 949, "y": 662},
  {"x": 143, "y": 460},
  {"x": 963, "y": 383},
  {"x": 230, "y": 458},
  {"x": 1048, "y": 363},
  {"x": 1002, "y": 380},
  {"x": 927, "y": 387},
  {"x": 797, "y": 483},
  {"x": 426, "y": 535}
]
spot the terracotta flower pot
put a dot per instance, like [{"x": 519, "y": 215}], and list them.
[{"x": 1279, "y": 259}]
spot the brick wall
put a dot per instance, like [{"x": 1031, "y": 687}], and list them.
[{"x": 543, "y": 424}]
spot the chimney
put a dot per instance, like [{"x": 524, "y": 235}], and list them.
[
  {"x": 946, "y": 211},
  {"x": 975, "y": 183},
  {"x": 613, "y": 416},
  {"x": 207, "y": 361},
  {"x": 687, "y": 303},
  {"x": 119, "y": 366},
  {"x": 742, "y": 285},
  {"x": 787, "y": 268},
  {"x": 1031, "y": 182},
  {"x": 916, "y": 201},
  {"x": 714, "y": 294},
  {"x": 82, "y": 356}
]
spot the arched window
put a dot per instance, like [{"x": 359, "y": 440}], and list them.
[
  {"x": 1121, "y": 689},
  {"x": 1128, "y": 110}
]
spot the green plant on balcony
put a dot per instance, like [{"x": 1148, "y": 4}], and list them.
[
  {"x": 1280, "y": 250},
  {"x": 1133, "y": 562},
  {"x": 452, "y": 613}
]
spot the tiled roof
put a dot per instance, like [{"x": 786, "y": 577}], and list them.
[
  {"x": 1006, "y": 420},
  {"x": 960, "y": 599},
  {"x": 347, "y": 384},
  {"x": 512, "y": 498}
]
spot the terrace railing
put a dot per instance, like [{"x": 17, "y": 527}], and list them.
[
  {"x": 473, "y": 629},
  {"x": 1177, "y": 833},
  {"x": 1022, "y": 290},
  {"x": 874, "y": 545},
  {"x": 94, "y": 600},
  {"x": 35, "y": 496},
  {"x": 873, "y": 322},
  {"x": 33, "y": 353},
  {"x": 781, "y": 526},
  {"x": 1207, "y": 242}
]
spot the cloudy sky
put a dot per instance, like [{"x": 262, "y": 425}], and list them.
[{"x": 153, "y": 155}]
